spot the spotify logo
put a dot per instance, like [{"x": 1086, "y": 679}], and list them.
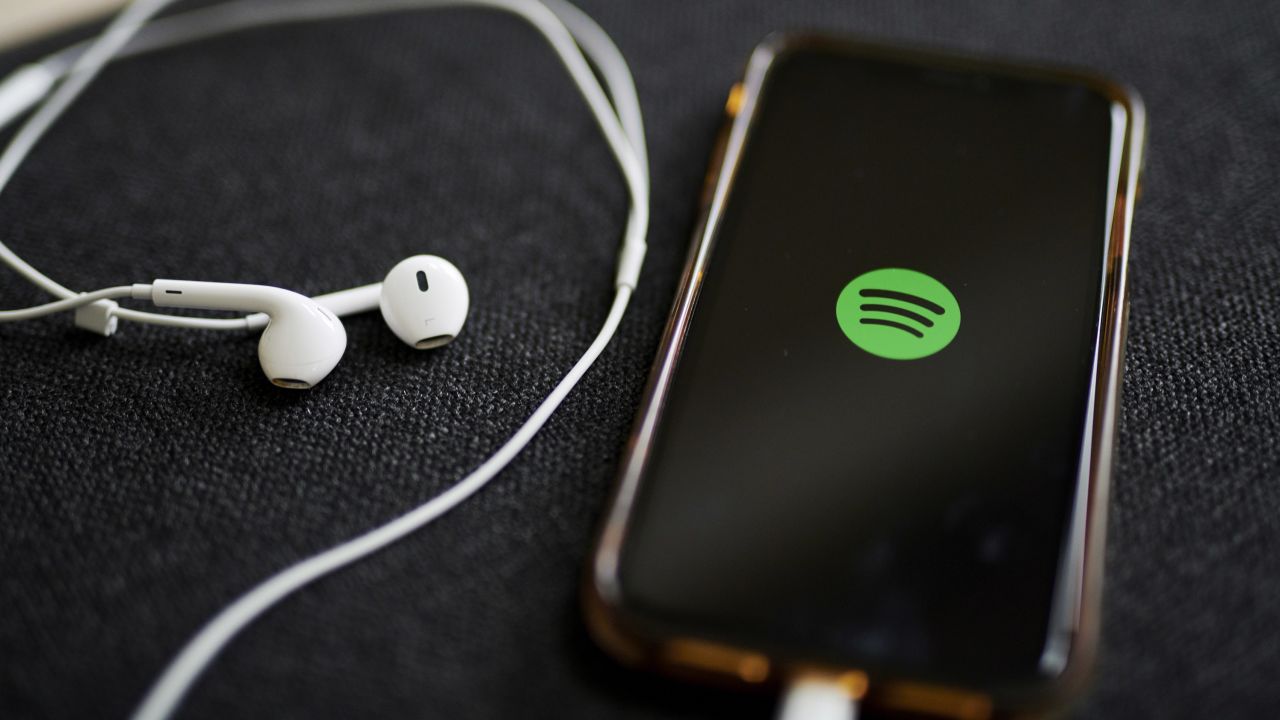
[{"x": 898, "y": 314}]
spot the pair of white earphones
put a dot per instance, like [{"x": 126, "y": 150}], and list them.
[{"x": 423, "y": 299}]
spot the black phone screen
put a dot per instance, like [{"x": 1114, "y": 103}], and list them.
[{"x": 819, "y": 486}]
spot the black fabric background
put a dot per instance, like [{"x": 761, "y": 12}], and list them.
[{"x": 150, "y": 478}]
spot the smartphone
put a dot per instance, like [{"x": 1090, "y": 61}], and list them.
[{"x": 877, "y": 438}]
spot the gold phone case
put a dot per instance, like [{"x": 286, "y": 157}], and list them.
[{"x": 626, "y": 635}]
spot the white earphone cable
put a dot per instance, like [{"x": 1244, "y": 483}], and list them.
[
  {"x": 70, "y": 303},
  {"x": 165, "y": 695},
  {"x": 78, "y": 64},
  {"x": 85, "y": 68},
  {"x": 618, "y": 115}
]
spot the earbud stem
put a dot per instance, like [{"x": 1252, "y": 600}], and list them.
[
  {"x": 190, "y": 294},
  {"x": 341, "y": 303},
  {"x": 351, "y": 302},
  {"x": 218, "y": 296}
]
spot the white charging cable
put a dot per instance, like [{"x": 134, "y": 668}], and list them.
[
  {"x": 817, "y": 698},
  {"x": 617, "y": 113}
]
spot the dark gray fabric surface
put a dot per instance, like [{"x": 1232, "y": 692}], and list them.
[{"x": 148, "y": 479}]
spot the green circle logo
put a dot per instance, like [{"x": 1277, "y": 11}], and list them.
[{"x": 898, "y": 314}]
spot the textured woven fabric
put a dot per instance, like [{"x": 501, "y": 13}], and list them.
[{"x": 148, "y": 479}]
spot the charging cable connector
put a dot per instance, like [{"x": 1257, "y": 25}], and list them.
[{"x": 822, "y": 697}]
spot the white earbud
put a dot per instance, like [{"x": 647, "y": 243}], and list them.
[
  {"x": 302, "y": 341},
  {"x": 424, "y": 300}
]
